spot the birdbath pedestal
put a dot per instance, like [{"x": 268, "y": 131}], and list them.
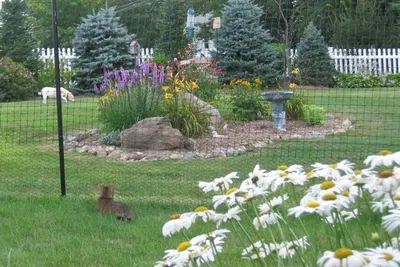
[{"x": 278, "y": 100}]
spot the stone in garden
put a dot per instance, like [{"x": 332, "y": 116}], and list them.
[
  {"x": 215, "y": 117},
  {"x": 153, "y": 134},
  {"x": 190, "y": 144}
]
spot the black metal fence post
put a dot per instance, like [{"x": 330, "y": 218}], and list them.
[{"x": 58, "y": 95}]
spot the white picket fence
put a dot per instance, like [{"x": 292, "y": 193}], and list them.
[{"x": 351, "y": 61}]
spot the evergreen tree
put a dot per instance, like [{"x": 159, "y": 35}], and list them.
[
  {"x": 243, "y": 46},
  {"x": 170, "y": 27},
  {"x": 313, "y": 60},
  {"x": 100, "y": 42},
  {"x": 16, "y": 41}
]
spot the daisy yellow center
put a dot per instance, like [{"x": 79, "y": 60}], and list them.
[
  {"x": 310, "y": 174},
  {"x": 231, "y": 190},
  {"x": 175, "y": 216},
  {"x": 342, "y": 253},
  {"x": 283, "y": 174},
  {"x": 184, "y": 246},
  {"x": 201, "y": 209},
  {"x": 387, "y": 256},
  {"x": 385, "y": 174},
  {"x": 333, "y": 166},
  {"x": 345, "y": 193},
  {"x": 313, "y": 204},
  {"x": 327, "y": 184},
  {"x": 329, "y": 196},
  {"x": 397, "y": 197},
  {"x": 358, "y": 172},
  {"x": 283, "y": 168},
  {"x": 385, "y": 152}
]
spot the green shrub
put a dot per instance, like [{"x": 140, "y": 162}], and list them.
[
  {"x": 190, "y": 119},
  {"x": 46, "y": 75},
  {"x": 393, "y": 80},
  {"x": 314, "y": 115},
  {"x": 294, "y": 106},
  {"x": 16, "y": 82},
  {"x": 343, "y": 80},
  {"x": 248, "y": 104},
  {"x": 111, "y": 139}
]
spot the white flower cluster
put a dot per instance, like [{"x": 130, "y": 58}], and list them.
[{"x": 334, "y": 199}]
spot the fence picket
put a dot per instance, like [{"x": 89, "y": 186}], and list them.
[{"x": 379, "y": 61}]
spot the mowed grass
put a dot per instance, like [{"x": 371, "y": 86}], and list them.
[{"x": 40, "y": 228}]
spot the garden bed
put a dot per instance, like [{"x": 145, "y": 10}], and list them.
[{"x": 238, "y": 138}]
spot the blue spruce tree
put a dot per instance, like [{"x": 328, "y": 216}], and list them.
[
  {"x": 313, "y": 60},
  {"x": 243, "y": 46},
  {"x": 100, "y": 42}
]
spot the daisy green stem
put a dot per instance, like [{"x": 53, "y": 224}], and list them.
[
  {"x": 293, "y": 236},
  {"x": 251, "y": 242},
  {"x": 242, "y": 242},
  {"x": 329, "y": 239},
  {"x": 214, "y": 248},
  {"x": 361, "y": 229},
  {"x": 368, "y": 204},
  {"x": 344, "y": 229}
]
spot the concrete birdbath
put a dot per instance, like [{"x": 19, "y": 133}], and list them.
[{"x": 278, "y": 100}]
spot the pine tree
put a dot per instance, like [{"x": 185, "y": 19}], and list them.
[
  {"x": 313, "y": 60},
  {"x": 100, "y": 42},
  {"x": 170, "y": 27},
  {"x": 243, "y": 46},
  {"x": 16, "y": 41}
]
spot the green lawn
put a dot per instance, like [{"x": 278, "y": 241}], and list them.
[{"x": 39, "y": 228}]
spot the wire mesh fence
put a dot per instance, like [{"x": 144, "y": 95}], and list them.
[
  {"x": 343, "y": 122},
  {"x": 163, "y": 94}
]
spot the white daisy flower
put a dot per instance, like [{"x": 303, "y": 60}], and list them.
[
  {"x": 255, "y": 251},
  {"x": 296, "y": 178},
  {"x": 211, "y": 244},
  {"x": 333, "y": 171},
  {"x": 363, "y": 177},
  {"x": 390, "y": 256},
  {"x": 276, "y": 201},
  {"x": 288, "y": 249},
  {"x": 394, "y": 243},
  {"x": 386, "y": 180},
  {"x": 310, "y": 205},
  {"x": 342, "y": 257},
  {"x": 218, "y": 184},
  {"x": 200, "y": 212},
  {"x": 385, "y": 158},
  {"x": 182, "y": 254},
  {"x": 391, "y": 222},
  {"x": 232, "y": 213},
  {"x": 168, "y": 263},
  {"x": 176, "y": 223},
  {"x": 231, "y": 198},
  {"x": 266, "y": 219}
]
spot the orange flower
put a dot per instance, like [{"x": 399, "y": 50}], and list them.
[
  {"x": 168, "y": 96},
  {"x": 166, "y": 87},
  {"x": 292, "y": 85}
]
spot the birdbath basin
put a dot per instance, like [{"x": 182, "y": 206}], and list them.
[{"x": 278, "y": 100}]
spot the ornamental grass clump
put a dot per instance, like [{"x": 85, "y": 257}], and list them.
[
  {"x": 290, "y": 217},
  {"x": 181, "y": 107},
  {"x": 129, "y": 96}
]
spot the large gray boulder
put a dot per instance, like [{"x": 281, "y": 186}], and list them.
[
  {"x": 152, "y": 134},
  {"x": 215, "y": 118}
]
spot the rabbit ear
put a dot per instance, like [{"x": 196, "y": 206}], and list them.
[{"x": 112, "y": 188}]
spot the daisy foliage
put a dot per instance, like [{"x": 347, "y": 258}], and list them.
[{"x": 268, "y": 214}]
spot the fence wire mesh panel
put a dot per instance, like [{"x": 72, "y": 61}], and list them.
[{"x": 160, "y": 96}]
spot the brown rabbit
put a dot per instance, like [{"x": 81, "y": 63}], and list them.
[{"x": 106, "y": 203}]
